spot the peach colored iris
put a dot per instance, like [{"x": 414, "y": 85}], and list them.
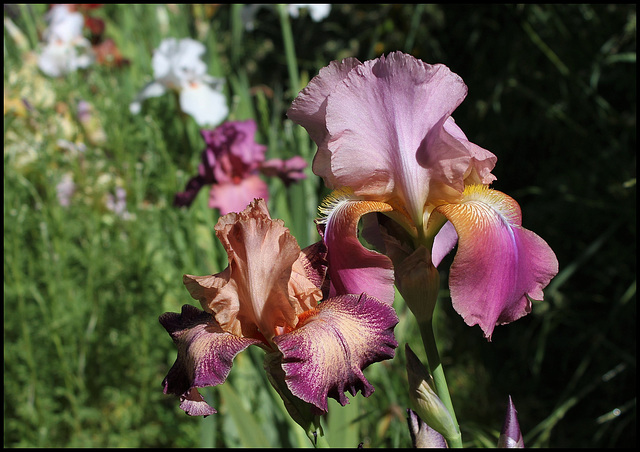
[{"x": 271, "y": 295}]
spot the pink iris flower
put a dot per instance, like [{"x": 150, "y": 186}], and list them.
[
  {"x": 232, "y": 163},
  {"x": 387, "y": 141},
  {"x": 271, "y": 295}
]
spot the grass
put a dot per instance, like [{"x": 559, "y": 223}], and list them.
[{"x": 552, "y": 92}]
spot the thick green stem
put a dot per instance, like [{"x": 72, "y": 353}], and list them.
[{"x": 435, "y": 367}]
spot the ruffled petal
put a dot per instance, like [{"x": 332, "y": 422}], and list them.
[
  {"x": 325, "y": 355},
  {"x": 251, "y": 298},
  {"x": 499, "y": 266},
  {"x": 205, "y": 355},
  {"x": 384, "y": 129},
  {"x": 309, "y": 110},
  {"x": 354, "y": 269},
  {"x": 379, "y": 118}
]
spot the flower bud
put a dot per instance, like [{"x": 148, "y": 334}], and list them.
[
  {"x": 423, "y": 436},
  {"x": 424, "y": 399},
  {"x": 511, "y": 437}
]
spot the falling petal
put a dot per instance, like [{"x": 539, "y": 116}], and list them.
[
  {"x": 354, "y": 269},
  {"x": 235, "y": 197},
  {"x": 499, "y": 266},
  {"x": 327, "y": 352},
  {"x": 205, "y": 355}
]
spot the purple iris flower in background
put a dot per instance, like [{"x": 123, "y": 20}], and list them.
[{"x": 232, "y": 163}]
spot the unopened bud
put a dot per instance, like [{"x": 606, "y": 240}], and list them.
[
  {"x": 425, "y": 401},
  {"x": 423, "y": 436},
  {"x": 511, "y": 437}
]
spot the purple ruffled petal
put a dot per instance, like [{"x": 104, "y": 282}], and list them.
[
  {"x": 309, "y": 108},
  {"x": 325, "y": 356},
  {"x": 205, "y": 356}
]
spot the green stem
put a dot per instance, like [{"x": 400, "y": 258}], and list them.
[
  {"x": 289, "y": 50},
  {"x": 306, "y": 201},
  {"x": 435, "y": 367}
]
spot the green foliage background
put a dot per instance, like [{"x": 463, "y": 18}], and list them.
[{"x": 552, "y": 92}]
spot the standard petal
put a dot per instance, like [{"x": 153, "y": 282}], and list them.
[
  {"x": 499, "y": 266},
  {"x": 207, "y": 106},
  {"x": 378, "y": 119},
  {"x": 205, "y": 355},
  {"x": 309, "y": 110},
  {"x": 325, "y": 355},
  {"x": 239, "y": 139},
  {"x": 354, "y": 269},
  {"x": 251, "y": 297}
]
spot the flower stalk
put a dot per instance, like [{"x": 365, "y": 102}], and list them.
[{"x": 434, "y": 365}]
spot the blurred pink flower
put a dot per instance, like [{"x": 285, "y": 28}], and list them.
[{"x": 231, "y": 163}]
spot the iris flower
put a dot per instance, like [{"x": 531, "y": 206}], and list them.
[
  {"x": 386, "y": 140},
  {"x": 231, "y": 163},
  {"x": 271, "y": 296},
  {"x": 177, "y": 66}
]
